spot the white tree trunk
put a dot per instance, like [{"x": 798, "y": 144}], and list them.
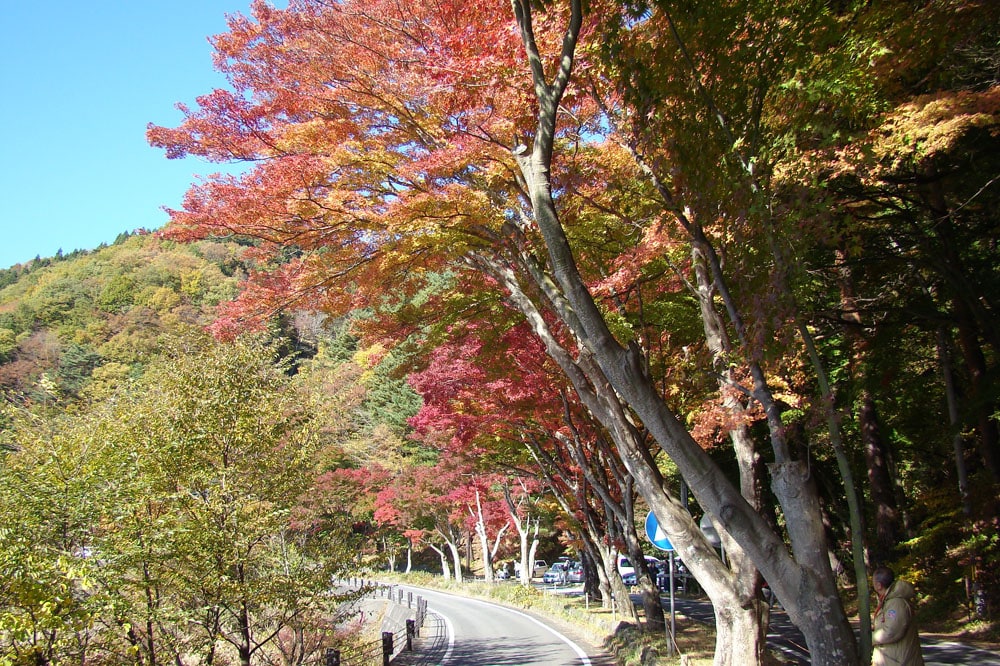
[
  {"x": 456, "y": 558},
  {"x": 445, "y": 569}
]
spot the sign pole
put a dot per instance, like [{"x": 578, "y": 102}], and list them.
[
  {"x": 673, "y": 615},
  {"x": 658, "y": 538}
]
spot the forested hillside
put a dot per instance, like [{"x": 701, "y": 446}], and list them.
[
  {"x": 76, "y": 324},
  {"x": 731, "y": 263}
]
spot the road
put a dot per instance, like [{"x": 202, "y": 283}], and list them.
[
  {"x": 784, "y": 637},
  {"x": 462, "y": 631},
  {"x": 469, "y": 632}
]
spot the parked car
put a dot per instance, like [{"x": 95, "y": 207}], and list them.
[
  {"x": 627, "y": 571},
  {"x": 541, "y": 566},
  {"x": 557, "y": 573},
  {"x": 575, "y": 574}
]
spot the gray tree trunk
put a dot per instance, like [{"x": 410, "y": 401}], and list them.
[
  {"x": 748, "y": 620},
  {"x": 802, "y": 578}
]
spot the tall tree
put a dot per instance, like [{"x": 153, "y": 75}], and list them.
[
  {"x": 177, "y": 510},
  {"x": 242, "y": 453},
  {"x": 379, "y": 162}
]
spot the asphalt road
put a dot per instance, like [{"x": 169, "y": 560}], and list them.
[
  {"x": 784, "y": 637},
  {"x": 469, "y": 632}
]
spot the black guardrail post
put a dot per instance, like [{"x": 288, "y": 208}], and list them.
[
  {"x": 386, "y": 647},
  {"x": 410, "y": 630}
]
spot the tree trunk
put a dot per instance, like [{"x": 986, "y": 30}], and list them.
[
  {"x": 619, "y": 597},
  {"x": 972, "y": 319},
  {"x": 532, "y": 552},
  {"x": 390, "y": 555},
  {"x": 880, "y": 482},
  {"x": 802, "y": 579},
  {"x": 747, "y": 633},
  {"x": 649, "y": 592},
  {"x": 244, "y": 646},
  {"x": 594, "y": 577},
  {"x": 484, "y": 546},
  {"x": 702, "y": 560},
  {"x": 944, "y": 358},
  {"x": 604, "y": 570},
  {"x": 523, "y": 527},
  {"x": 445, "y": 569},
  {"x": 484, "y": 541},
  {"x": 980, "y": 404},
  {"x": 456, "y": 557}
]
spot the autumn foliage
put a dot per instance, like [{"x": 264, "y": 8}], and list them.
[{"x": 576, "y": 254}]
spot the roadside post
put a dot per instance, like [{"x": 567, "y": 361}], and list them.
[
  {"x": 387, "y": 647},
  {"x": 658, "y": 538}
]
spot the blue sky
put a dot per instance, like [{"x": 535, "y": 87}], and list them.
[{"x": 79, "y": 82}]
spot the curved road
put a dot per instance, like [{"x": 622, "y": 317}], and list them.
[{"x": 469, "y": 632}]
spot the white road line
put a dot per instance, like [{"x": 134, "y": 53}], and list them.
[
  {"x": 584, "y": 659},
  {"x": 450, "y": 629}
]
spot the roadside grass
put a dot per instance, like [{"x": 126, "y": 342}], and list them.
[
  {"x": 632, "y": 646},
  {"x": 943, "y": 618},
  {"x": 628, "y": 644},
  {"x": 958, "y": 626}
]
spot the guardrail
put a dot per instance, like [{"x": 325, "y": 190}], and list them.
[{"x": 399, "y": 638}]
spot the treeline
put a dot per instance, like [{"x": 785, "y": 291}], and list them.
[{"x": 10, "y": 275}]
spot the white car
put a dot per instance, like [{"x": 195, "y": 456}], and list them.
[
  {"x": 541, "y": 566},
  {"x": 557, "y": 573},
  {"x": 627, "y": 570}
]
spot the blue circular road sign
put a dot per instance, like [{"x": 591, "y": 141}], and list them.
[{"x": 655, "y": 533}]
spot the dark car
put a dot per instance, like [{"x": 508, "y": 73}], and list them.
[{"x": 680, "y": 576}]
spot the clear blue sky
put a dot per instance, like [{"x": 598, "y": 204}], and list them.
[{"x": 79, "y": 81}]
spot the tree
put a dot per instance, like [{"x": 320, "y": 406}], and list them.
[
  {"x": 420, "y": 499},
  {"x": 520, "y": 497},
  {"x": 827, "y": 82},
  {"x": 242, "y": 451},
  {"x": 352, "y": 496},
  {"x": 49, "y": 514},
  {"x": 174, "y": 504},
  {"x": 379, "y": 162},
  {"x": 465, "y": 197},
  {"x": 527, "y": 424}
]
